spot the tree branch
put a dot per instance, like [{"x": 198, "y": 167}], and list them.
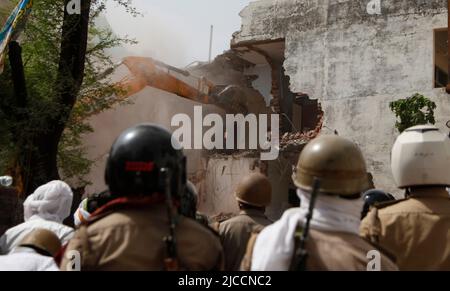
[{"x": 72, "y": 56}]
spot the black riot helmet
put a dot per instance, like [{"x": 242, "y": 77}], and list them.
[
  {"x": 96, "y": 201},
  {"x": 372, "y": 197},
  {"x": 136, "y": 159}
]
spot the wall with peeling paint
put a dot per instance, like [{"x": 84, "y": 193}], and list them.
[
  {"x": 222, "y": 176},
  {"x": 280, "y": 173},
  {"x": 355, "y": 63},
  {"x": 223, "y": 173}
]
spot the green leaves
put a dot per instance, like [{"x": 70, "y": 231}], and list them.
[
  {"x": 412, "y": 111},
  {"x": 41, "y": 47}
]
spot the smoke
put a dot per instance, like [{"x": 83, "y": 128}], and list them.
[
  {"x": 155, "y": 37},
  {"x": 177, "y": 32}
]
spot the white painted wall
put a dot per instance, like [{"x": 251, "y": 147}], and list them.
[{"x": 356, "y": 63}]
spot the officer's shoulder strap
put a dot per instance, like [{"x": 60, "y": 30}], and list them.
[
  {"x": 372, "y": 232},
  {"x": 372, "y": 227}
]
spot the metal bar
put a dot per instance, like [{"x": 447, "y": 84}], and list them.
[{"x": 211, "y": 42}]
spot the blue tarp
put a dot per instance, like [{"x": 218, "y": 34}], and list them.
[{"x": 13, "y": 26}]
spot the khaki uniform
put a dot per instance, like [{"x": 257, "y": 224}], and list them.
[
  {"x": 235, "y": 233},
  {"x": 415, "y": 230},
  {"x": 132, "y": 239},
  {"x": 333, "y": 251}
]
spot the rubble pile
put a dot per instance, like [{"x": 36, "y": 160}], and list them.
[{"x": 295, "y": 141}]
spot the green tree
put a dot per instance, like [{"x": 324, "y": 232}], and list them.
[
  {"x": 65, "y": 79},
  {"x": 415, "y": 110}
]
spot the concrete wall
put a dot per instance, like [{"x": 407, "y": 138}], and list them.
[
  {"x": 223, "y": 173},
  {"x": 356, "y": 63},
  {"x": 222, "y": 176},
  {"x": 280, "y": 173}
]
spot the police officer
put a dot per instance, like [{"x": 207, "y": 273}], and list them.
[
  {"x": 372, "y": 197},
  {"x": 140, "y": 228},
  {"x": 188, "y": 206},
  {"x": 416, "y": 229},
  {"x": 34, "y": 253},
  {"x": 333, "y": 168},
  {"x": 189, "y": 201},
  {"x": 253, "y": 194},
  {"x": 90, "y": 205}
]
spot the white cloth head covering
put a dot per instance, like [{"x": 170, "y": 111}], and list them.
[
  {"x": 274, "y": 247},
  {"x": 51, "y": 201}
]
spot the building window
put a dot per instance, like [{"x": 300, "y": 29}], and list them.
[{"x": 440, "y": 58}]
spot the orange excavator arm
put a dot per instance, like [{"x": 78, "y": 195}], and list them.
[{"x": 148, "y": 72}]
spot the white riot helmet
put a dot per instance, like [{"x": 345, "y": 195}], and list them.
[{"x": 420, "y": 157}]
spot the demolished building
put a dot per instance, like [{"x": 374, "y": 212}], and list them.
[
  {"x": 325, "y": 66},
  {"x": 228, "y": 85}
]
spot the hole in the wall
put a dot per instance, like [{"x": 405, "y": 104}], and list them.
[
  {"x": 306, "y": 113},
  {"x": 298, "y": 113}
]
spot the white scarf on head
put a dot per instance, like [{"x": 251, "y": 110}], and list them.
[{"x": 274, "y": 247}]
